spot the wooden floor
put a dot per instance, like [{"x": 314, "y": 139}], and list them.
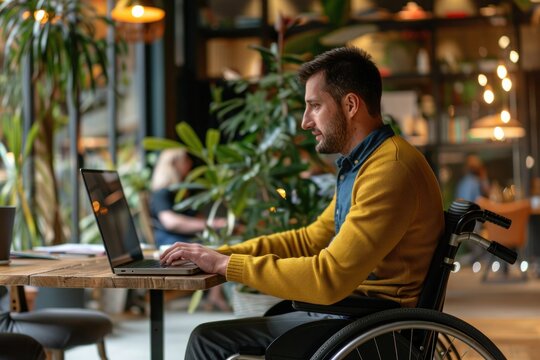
[{"x": 508, "y": 312}]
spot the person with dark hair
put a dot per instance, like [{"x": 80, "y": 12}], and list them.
[{"x": 376, "y": 237}]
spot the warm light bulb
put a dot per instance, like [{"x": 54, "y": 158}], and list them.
[
  {"x": 489, "y": 96},
  {"x": 504, "y": 41},
  {"x": 498, "y": 134},
  {"x": 514, "y": 56},
  {"x": 40, "y": 16},
  {"x": 506, "y": 84},
  {"x": 137, "y": 11},
  {"x": 529, "y": 162},
  {"x": 501, "y": 71},
  {"x": 482, "y": 79},
  {"x": 505, "y": 116}
]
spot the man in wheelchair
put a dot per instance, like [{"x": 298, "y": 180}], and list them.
[{"x": 376, "y": 238}]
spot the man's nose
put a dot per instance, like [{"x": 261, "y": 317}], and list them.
[{"x": 306, "y": 122}]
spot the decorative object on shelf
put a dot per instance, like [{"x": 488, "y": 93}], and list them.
[
  {"x": 412, "y": 11},
  {"x": 454, "y": 9}
]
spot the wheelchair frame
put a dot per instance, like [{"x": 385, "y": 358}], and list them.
[{"x": 380, "y": 329}]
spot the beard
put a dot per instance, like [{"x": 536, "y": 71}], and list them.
[{"x": 335, "y": 137}]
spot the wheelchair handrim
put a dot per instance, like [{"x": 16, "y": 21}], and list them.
[{"x": 407, "y": 325}]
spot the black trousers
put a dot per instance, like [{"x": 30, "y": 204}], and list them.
[{"x": 249, "y": 336}]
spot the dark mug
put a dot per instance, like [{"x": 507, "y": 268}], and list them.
[{"x": 7, "y": 217}]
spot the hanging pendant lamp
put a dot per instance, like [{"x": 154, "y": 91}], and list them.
[
  {"x": 138, "y": 20},
  {"x": 137, "y": 12},
  {"x": 492, "y": 127}
]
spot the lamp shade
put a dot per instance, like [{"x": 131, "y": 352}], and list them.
[
  {"x": 492, "y": 127},
  {"x": 137, "y": 11}
]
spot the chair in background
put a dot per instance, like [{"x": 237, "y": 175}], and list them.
[
  {"x": 56, "y": 329},
  {"x": 514, "y": 238}
]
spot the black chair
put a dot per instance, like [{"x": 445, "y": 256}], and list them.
[
  {"x": 317, "y": 339},
  {"x": 58, "y": 329},
  {"x": 19, "y": 346}
]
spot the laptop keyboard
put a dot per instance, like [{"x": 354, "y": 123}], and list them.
[{"x": 145, "y": 263}]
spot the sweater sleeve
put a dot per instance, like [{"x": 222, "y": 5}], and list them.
[
  {"x": 306, "y": 241},
  {"x": 372, "y": 228}
]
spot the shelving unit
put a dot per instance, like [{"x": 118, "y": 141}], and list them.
[{"x": 443, "y": 84}]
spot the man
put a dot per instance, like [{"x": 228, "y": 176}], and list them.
[{"x": 376, "y": 237}]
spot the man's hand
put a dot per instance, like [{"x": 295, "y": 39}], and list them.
[{"x": 208, "y": 260}]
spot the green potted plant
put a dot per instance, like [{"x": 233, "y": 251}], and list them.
[
  {"x": 258, "y": 167},
  {"x": 54, "y": 43}
]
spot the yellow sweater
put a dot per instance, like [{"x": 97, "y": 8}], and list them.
[{"x": 390, "y": 232}]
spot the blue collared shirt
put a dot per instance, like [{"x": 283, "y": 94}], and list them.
[{"x": 348, "y": 168}]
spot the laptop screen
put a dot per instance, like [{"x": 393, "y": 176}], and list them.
[{"x": 113, "y": 216}]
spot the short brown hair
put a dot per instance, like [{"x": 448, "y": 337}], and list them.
[{"x": 347, "y": 69}]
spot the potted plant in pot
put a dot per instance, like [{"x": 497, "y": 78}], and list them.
[
  {"x": 258, "y": 167},
  {"x": 51, "y": 47}
]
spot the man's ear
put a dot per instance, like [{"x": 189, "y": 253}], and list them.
[{"x": 351, "y": 104}]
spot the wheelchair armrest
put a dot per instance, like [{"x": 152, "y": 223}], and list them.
[{"x": 353, "y": 306}]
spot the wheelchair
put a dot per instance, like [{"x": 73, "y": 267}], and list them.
[{"x": 373, "y": 328}]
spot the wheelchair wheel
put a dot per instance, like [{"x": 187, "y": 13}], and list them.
[{"x": 408, "y": 334}]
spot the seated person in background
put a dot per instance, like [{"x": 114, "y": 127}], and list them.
[
  {"x": 376, "y": 237},
  {"x": 169, "y": 225},
  {"x": 471, "y": 186},
  {"x": 475, "y": 182}
]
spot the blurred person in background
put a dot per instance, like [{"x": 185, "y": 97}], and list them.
[{"x": 172, "y": 226}]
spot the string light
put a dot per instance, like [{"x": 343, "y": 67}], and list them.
[
  {"x": 504, "y": 41},
  {"x": 489, "y": 96},
  {"x": 505, "y": 116},
  {"x": 482, "y": 80},
  {"x": 501, "y": 71},
  {"x": 514, "y": 56},
  {"x": 498, "y": 134},
  {"x": 506, "y": 84}
]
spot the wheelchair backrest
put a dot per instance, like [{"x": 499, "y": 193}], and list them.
[{"x": 434, "y": 288}]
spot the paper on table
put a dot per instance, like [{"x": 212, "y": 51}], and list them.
[{"x": 73, "y": 249}]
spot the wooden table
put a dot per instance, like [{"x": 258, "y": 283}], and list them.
[{"x": 96, "y": 273}]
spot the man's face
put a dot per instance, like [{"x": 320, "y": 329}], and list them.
[{"x": 324, "y": 117}]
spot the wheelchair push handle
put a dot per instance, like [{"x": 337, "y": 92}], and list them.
[
  {"x": 502, "y": 252},
  {"x": 497, "y": 219}
]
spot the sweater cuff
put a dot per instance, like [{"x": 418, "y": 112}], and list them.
[{"x": 235, "y": 268}]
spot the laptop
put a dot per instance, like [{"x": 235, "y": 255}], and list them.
[{"x": 117, "y": 228}]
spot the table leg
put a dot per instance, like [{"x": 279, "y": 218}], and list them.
[
  {"x": 18, "y": 299},
  {"x": 156, "y": 324}
]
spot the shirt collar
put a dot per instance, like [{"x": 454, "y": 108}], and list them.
[{"x": 372, "y": 140}]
